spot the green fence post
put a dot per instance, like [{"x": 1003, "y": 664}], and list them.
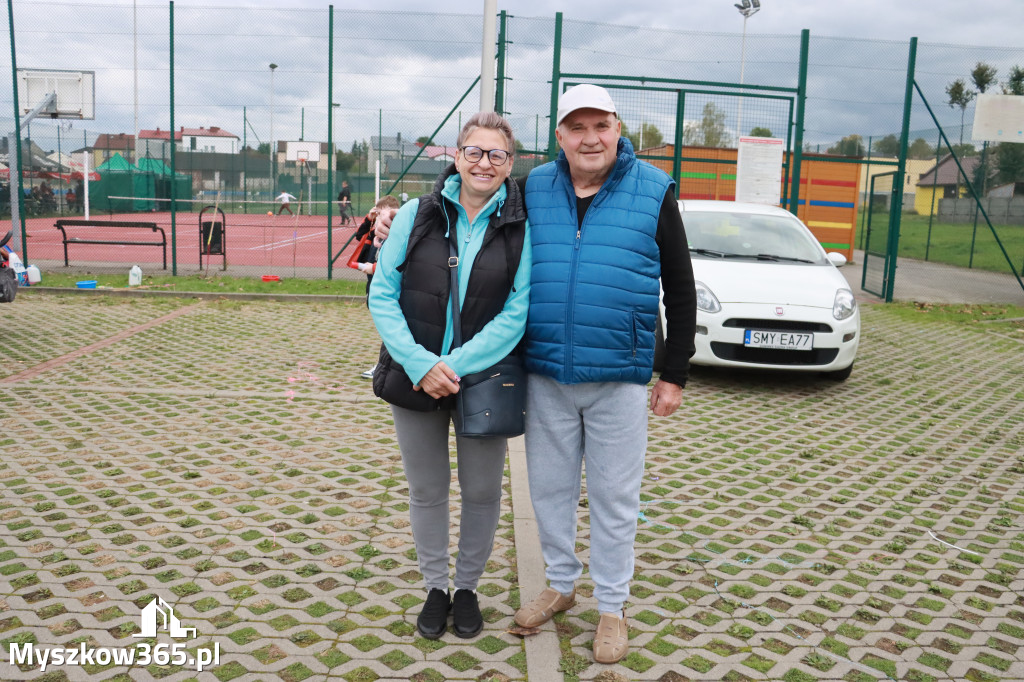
[
  {"x": 863, "y": 201},
  {"x": 896, "y": 210},
  {"x": 174, "y": 224},
  {"x": 330, "y": 135},
  {"x": 499, "y": 92},
  {"x": 556, "y": 67},
  {"x": 677, "y": 155},
  {"x": 974, "y": 232},
  {"x": 20, "y": 198},
  {"x": 934, "y": 204},
  {"x": 798, "y": 137}
]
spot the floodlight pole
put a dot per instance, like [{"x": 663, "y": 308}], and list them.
[
  {"x": 487, "y": 55},
  {"x": 747, "y": 12},
  {"x": 270, "y": 155}
]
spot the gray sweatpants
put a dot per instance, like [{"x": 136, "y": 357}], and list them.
[
  {"x": 605, "y": 425},
  {"x": 423, "y": 440}
]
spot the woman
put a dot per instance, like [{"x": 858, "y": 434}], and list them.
[{"x": 419, "y": 372}]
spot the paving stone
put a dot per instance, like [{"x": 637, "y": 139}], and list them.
[{"x": 231, "y": 461}]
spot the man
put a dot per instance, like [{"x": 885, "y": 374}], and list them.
[
  {"x": 605, "y": 226},
  {"x": 345, "y": 203},
  {"x": 286, "y": 200}
]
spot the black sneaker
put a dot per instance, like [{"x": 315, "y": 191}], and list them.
[
  {"x": 433, "y": 619},
  {"x": 467, "y": 621}
]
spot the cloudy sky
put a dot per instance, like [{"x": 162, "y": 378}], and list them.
[{"x": 400, "y": 70}]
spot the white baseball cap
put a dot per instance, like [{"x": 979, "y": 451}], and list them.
[{"x": 584, "y": 96}]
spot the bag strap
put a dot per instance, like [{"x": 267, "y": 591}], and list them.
[{"x": 453, "y": 269}]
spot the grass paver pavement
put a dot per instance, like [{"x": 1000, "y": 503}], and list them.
[{"x": 232, "y": 462}]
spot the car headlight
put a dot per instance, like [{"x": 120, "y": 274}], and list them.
[
  {"x": 845, "y": 304},
  {"x": 706, "y": 300}
]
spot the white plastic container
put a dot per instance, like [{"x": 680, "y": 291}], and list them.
[
  {"x": 135, "y": 276},
  {"x": 18, "y": 267},
  {"x": 33, "y": 274}
]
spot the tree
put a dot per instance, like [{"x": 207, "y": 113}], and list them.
[
  {"x": 887, "y": 146},
  {"x": 920, "y": 149},
  {"x": 710, "y": 132},
  {"x": 983, "y": 76},
  {"x": 851, "y": 145},
  {"x": 652, "y": 137},
  {"x": 759, "y": 131},
  {"x": 264, "y": 148},
  {"x": 1015, "y": 83},
  {"x": 422, "y": 140},
  {"x": 1009, "y": 162},
  {"x": 959, "y": 96}
]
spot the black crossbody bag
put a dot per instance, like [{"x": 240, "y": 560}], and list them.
[{"x": 491, "y": 403}]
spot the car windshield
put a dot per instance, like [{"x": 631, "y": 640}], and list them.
[{"x": 720, "y": 234}]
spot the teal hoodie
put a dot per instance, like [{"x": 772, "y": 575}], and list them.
[{"x": 494, "y": 341}]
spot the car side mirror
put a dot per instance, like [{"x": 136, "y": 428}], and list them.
[{"x": 837, "y": 259}]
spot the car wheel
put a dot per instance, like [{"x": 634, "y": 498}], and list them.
[
  {"x": 839, "y": 374},
  {"x": 659, "y": 346}
]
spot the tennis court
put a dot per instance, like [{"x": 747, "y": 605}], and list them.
[{"x": 252, "y": 242}]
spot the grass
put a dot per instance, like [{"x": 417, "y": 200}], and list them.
[
  {"x": 951, "y": 242},
  {"x": 212, "y": 284},
  {"x": 996, "y": 316}
]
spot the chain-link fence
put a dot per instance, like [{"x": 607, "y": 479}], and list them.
[{"x": 391, "y": 89}]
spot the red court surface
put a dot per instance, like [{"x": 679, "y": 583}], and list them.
[{"x": 261, "y": 240}]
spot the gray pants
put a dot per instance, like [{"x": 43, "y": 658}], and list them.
[
  {"x": 423, "y": 440},
  {"x": 605, "y": 425}
]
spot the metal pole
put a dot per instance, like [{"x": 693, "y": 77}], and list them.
[
  {"x": 934, "y": 204},
  {"x": 499, "y": 93},
  {"x": 245, "y": 177},
  {"x": 135, "y": 67},
  {"x": 330, "y": 134},
  {"x": 174, "y": 176},
  {"x": 677, "y": 141},
  {"x": 270, "y": 148},
  {"x": 896, "y": 210},
  {"x": 20, "y": 238},
  {"x": 863, "y": 212},
  {"x": 798, "y": 134},
  {"x": 974, "y": 232},
  {"x": 743, "y": 63},
  {"x": 487, "y": 56},
  {"x": 380, "y": 142},
  {"x": 556, "y": 67}
]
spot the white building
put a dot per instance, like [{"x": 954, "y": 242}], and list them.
[{"x": 213, "y": 139}]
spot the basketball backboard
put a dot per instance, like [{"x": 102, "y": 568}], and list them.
[
  {"x": 999, "y": 118},
  {"x": 302, "y": 151},
  {"x": 75, "y": 90}
]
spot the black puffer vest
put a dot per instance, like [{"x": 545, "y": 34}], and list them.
[{"x": 426, "y": 285}]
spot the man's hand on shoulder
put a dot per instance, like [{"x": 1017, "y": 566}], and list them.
[
  {"x": 382, "y": 226},
  {"x": 666, "y": 398}
]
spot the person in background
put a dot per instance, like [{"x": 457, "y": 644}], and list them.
[
  {"x": 285, "y": 200},
  {"x": 368, "y": 256},
  {"x": 419, "y": 371},
  {"x": 345, "y": 203}
]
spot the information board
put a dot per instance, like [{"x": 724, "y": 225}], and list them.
[{"x": 759, "y": 170}]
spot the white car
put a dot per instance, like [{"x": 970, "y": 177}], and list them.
[{"x": 768, "y": 296}]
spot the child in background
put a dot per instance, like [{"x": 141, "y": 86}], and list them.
[{"x": 368, "y": 258}]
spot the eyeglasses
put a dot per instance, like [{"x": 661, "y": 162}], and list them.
[{"x": 497, "y": 157}]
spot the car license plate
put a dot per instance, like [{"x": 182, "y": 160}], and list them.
[{"x": 753, "y": 338}]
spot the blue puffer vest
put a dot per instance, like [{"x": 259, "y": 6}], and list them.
[{"x": 594, "y": 295}]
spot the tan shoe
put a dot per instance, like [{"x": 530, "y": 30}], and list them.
[
  {"x": 611, "y": 641},
  {"x": 543, "y": 607}
]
